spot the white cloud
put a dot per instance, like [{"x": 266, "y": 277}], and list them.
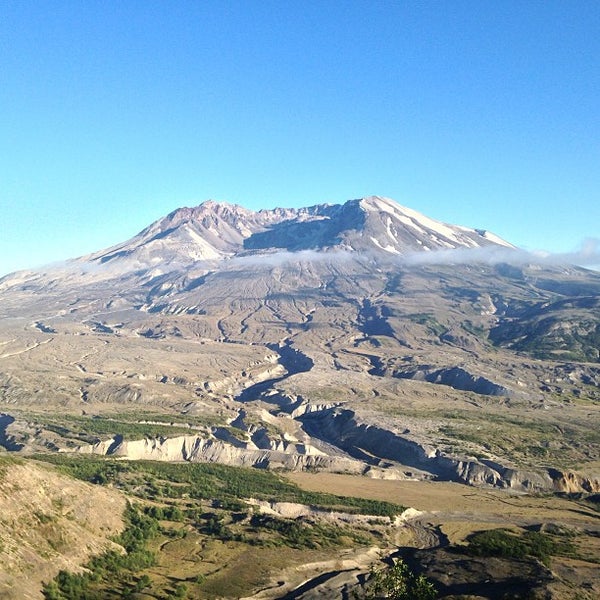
[{"x": 588, "y": 255}]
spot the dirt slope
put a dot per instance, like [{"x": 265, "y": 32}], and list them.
[{"x": 49, "y": 522}]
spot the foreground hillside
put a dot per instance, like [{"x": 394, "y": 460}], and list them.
[
  {"x": 211, "y": 531},
  {"x": 49, "y": 522}
]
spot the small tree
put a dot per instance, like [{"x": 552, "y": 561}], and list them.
[
  {"x": 398, "y": 582},
  {"x": 51, "y": 591},
  {"x": 143, "y": 582}
]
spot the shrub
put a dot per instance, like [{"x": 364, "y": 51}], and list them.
[
  {"x": 398, "y": 582},
  {"x": 532, "y": 544}
]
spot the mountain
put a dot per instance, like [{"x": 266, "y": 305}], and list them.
[
  {"x": 217, "y": 231},
  {"x": 363, "y": 337}
]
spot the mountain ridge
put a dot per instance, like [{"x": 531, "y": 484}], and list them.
[{"x": 216, "y": 230}]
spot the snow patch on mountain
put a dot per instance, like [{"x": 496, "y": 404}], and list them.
[
  {"x": 408, "y": 216},
  {"x": 387, "y": 248}
]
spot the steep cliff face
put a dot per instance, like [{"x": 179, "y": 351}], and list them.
[
  {"x": 194, "y": 448},
  {"x": 368, "y": 449},
  {"x": 374, "y": 444},
  {"x": 572, "y": 482}
]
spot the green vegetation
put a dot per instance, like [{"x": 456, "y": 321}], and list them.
[
  {"x": 476, "y": 330},
  {"x": 112, "y": 573},
  {"x": 430, "y": 322},
  {"x": 152, "y": 480},
  {"x": 267, "y": 531},
  {"x": 530, "y": 544},
  {"x": 90, "y": 429},
  {"x": 298, "y": 533},
  {"x": 548, "y": 338},
  {"x": 7, "y": 460},
  {"x": 198, "y": 511},
  {"x": 528, "y": 442},
  {"x": 398, "y": 582},
  {"x": 203, "y": 420},
  {"x": 95, "y": 428}
]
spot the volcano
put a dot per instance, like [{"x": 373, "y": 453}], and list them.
[{"x": 363, "y": 337}]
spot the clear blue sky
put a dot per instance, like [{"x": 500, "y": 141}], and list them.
[{"x": 114, "y": 113}]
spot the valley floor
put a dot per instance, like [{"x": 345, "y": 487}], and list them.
[{"x": 452, "y": 512}]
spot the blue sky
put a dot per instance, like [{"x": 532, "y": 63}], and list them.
[{"x": 112, "y": 114}]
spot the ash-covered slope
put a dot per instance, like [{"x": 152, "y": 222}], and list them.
[{"x": 176, "y": 254}]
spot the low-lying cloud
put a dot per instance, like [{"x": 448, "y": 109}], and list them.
[
  {"x": 286, "y": 257},
  {"x": 587, "y": 256}
]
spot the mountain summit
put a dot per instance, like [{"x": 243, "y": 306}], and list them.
[{"x": 215, "y": 231}]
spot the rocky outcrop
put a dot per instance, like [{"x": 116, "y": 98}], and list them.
[
  {"x": 457, "y": 378},
  {"x": 293, "y": 510},
  {"x": 572, "y": 482},
  {"x": 194, "y": 448},
  {"x": 7, "y": 439},
  {"x": 363, "y": 440},
  {"x": 527, "y": 480}
]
